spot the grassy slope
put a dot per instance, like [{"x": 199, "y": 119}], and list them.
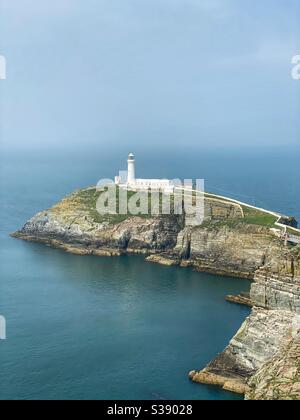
[
  {"x": 256, "y": 217},
  {"x": 88, "y": 202}
]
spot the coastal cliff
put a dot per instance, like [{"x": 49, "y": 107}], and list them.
[
  {"x": 262, "y": 359},
  {"x": 75, "y": 226},
  {"x": 255, "y": 361}
]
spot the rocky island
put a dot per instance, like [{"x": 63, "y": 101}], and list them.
[{"x": 262, "y": 360}]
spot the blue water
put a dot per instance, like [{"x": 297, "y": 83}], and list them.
[{"x": 105, "y": 328}]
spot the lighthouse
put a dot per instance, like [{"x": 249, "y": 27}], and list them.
[
  {"x": 138, "y": 184},
  {"x": 131, "y": 170}
]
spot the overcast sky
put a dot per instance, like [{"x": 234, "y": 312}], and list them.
[{"x": 199, "y": 73}]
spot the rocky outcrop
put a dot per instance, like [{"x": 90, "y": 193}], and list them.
[
  {"x": 216, "y": 209},
  {"x": 236, "y": 251},
  {"x": 257, "y": 340},
  {"x": 279, "y": 379},
  {"x": 277, "y": 283},
  {"x": 136, "y": 233},
  {"x": 288, "y": 221},
  {"x": 241, "y": 299},
  {"x": 267, "y": 335}
]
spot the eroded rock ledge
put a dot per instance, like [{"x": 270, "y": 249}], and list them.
[
  {"x": 263, "y": 357},
  {"x": 262, "y": 360}
]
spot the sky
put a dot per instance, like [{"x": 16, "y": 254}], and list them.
[{"x": 165, "y": 74}]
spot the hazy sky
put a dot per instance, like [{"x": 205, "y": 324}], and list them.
[{"x": 174, "y": 73}]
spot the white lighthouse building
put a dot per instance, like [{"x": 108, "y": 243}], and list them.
[
  {"x": 131, "y": 169},
  {"x": 139, "y": 184}
]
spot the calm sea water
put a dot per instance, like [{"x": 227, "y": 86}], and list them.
[{"x": 105, "y": 328}]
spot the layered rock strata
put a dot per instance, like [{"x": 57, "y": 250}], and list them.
[{"x": 267, "y": 344}]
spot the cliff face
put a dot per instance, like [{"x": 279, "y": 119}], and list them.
[
  {"x": 74, "y": 225},
  {"x": 236, "y": 251},
  {"x": 277, "y": 290},
  {"x": 80, "y": 231},
  {"x": 262, "y": 359},
  {"x": 277, "y": 283},
  {"x": 279, "y": 379},
  {"x": 258, "y": 351}
]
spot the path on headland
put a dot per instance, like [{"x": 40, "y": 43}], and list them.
[
  {"x": 275, "y": 214},
  {"x": 241, "y": 204}
]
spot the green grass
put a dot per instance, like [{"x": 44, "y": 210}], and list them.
[
  {"x": 252, "y": 217},
  {"x": 88, "y": 199},
  {"x": 257, "y": 217},
  {"x": 213, "y": 224}
]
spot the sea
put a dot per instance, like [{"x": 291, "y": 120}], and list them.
[{"x": 84, "y": 327}]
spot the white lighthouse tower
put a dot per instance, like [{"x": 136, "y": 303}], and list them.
[
  {"x": 131, "y": 170},
  {"x": 138, "y": 184}
]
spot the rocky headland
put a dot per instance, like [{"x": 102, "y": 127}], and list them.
[{"x": 262, "y": 360}]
